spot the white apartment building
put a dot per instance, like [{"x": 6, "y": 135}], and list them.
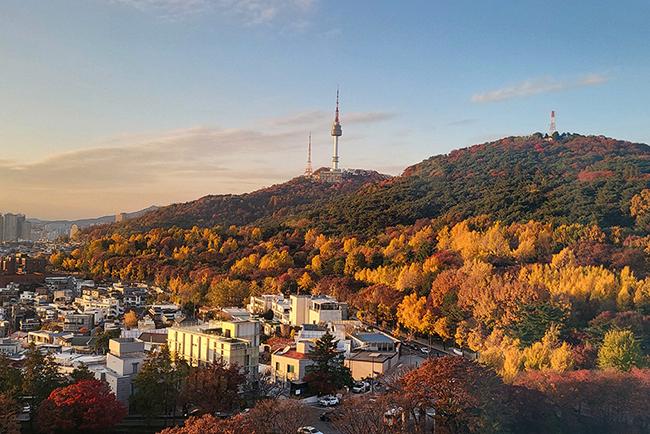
[
  {"x": 320, "y": 309},
  {"x": 300, "y": 309},
  {"x": 280, "y": 306},
  {"x": 110, "y": 307},
  {"x": 124, "y": 360},
  {"x": 234, "y": 342}
]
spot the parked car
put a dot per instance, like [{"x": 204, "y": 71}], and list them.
[
  {"x": 425, "y": 350},
  {"x": 328, "y": 401},
  {"x": 361, "y": 387},
  {"x": 308, "y": 430}
]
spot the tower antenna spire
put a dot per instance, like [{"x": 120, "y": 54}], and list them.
[
  {"x": 552, "y": 129},
  {"x": 336, "y": 132},
  {"x": 308, "y": 169}
]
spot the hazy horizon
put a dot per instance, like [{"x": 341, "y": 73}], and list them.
[{"x": 117, "y": 105}]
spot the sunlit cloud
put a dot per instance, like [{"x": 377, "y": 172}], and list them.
[
  {"x": 131, "y": 172},
  {"x": 537, "y": 86}
]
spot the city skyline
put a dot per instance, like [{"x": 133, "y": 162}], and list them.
[{"x": 112, "y": 106}]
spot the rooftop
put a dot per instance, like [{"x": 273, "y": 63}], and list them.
[
  {"x": 292, "y": 354},
  {"x": 374, "y": 337},
  {"x": 314, "y": 328},
  {"x": 371, "y": 356}
]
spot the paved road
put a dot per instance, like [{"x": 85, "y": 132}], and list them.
[{"x": 312, "y": 417}]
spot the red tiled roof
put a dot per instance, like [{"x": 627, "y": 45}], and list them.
[{"x": 293, "y": 354}]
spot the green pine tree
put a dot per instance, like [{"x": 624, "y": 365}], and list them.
[{"x": 328, "y": 373}]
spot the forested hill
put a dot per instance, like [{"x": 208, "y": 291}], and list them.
[
  {"x": 276, "y": 203},
  {"x": 567, "y": 179}
]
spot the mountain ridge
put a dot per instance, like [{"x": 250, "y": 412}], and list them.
[{"x": 567, "y": 178}]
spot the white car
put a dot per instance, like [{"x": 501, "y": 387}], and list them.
[
  {"x": 308, "y": 430},
  {"x": 328, "y": 401},
  {"x": 425, "y": 350},
  {"x": 361, "y": 387}
]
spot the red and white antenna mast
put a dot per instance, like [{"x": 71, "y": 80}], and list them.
[
  {"x": 308, "y": 169},
  {"x": 552, "y": 128}
]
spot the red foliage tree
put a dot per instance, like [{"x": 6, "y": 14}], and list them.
[
  {"x": 267, "y": 417},
  {"x": 84, "y": 406},
  {"x": 213, "y": 387},
  {"x": 613, "y": 401},
  {"x": 467, "y": 397}
]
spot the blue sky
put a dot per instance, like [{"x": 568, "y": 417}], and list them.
[{"x": 112, "y": 105}]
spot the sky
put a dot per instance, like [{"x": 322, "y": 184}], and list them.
[{"x": 115, "y": 105}]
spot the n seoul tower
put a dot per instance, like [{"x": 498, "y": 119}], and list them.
[{"x": 335, "y": 172}]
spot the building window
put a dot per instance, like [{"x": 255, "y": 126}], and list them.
[
  {"x": 290, "y": 369},
  {"x": 277, "y": 366}
]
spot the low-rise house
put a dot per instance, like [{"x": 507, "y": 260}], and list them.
[
  {"x": 9, "y": 347},
  {"x": 290, "y": 363},
  {"x": 44, "y": 337},
  {"x": 370, "y": 364},
  {"x": 78, "y": 322},
  {"x": 374, "y": 341},
  {"x": 165, "y": 312}
]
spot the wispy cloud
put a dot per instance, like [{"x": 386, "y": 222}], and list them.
[
  {"x": 250, "y": 12},
  {"x": 461, "y": 122},
  {"x": 538, "y": 86},
  {"x": 320, "y": 117},
  {"x": 136, "y": 170}
]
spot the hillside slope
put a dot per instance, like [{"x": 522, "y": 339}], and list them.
[
  {"x": 571, "y": 179},
  {"x": 275, "y": 203}
]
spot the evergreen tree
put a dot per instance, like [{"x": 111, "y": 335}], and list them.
[
  {"x": 158, "y": 385},
  {"x": 10, "y": 378},
  {"x": 327, "y": 374},
  {"x": 80, "y": 373},
  {"x": 40, "y": 375}
]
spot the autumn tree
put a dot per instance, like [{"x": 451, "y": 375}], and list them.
[
  {"x": 640, "y": 209},
  {"x": 620, "y": 350},
  {"x": 86, "y": 406},
  {"x": 414, "y": 314},
  {"x": 227, "y": 292},
  {"x": 466, "y": 396},
  {"x": 8, "y": 415},
  {"x": 591, "y": 401},
  {"x": 359, "y": 415},
  {"x": 213, "y": 387},
  {"x": 267, "y": 417},
  {"x": 327, "y": 374},
  {"x": 131, "y": 319}
]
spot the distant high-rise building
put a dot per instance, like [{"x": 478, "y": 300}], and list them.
[
  {"x": 2, "y": 228},
  {"x": 120, "y": 217},
  {"x": 12, "y": 227},
  {"x": 25, "y": 229}
]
